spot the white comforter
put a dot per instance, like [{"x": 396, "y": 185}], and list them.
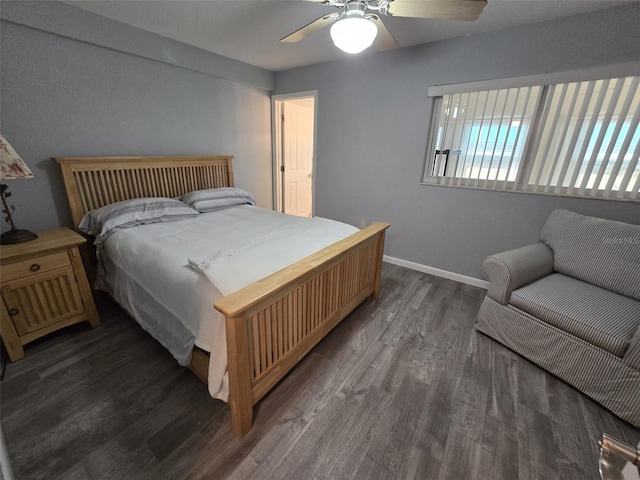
[{"x": 232, "y": 248}]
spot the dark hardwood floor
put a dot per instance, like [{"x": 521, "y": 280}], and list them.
[{"x": 405, "y": 387}]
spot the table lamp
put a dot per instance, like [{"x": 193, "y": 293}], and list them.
[{"x": 12, "y": 167}]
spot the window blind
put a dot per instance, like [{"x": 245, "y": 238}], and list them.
[
  {"x": 589, "y": 140},
  {"x": 579, "y": 138}
]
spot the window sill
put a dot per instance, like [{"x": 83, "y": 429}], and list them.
[{"x": 509, "y": 188}]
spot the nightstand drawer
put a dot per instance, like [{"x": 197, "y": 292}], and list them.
[{"x": 36, "y": 266}]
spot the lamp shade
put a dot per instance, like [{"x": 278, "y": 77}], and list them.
[
  {"x": 353, "y": 34},
  {"x": 11, "y": 165}
]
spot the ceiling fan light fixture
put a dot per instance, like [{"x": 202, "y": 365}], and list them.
[{"x": 353, "y": 34}]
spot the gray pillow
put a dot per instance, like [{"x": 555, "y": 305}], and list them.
[
  {"x": 105, "y": 221},
  {"x": 213, "y": 199}
]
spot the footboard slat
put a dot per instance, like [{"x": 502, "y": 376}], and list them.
[
  {"x": 271, "y": 344},
  {"x": 292, "y": 310}
]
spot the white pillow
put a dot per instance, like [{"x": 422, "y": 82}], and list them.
[
  {"x": 103, "y": 222},
  {"x": 213, "y": 199}
]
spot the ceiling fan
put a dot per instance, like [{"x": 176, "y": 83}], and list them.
[{"x": 358, "y": 24}]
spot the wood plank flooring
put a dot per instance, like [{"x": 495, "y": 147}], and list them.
[{"x": 404, "y": 388}]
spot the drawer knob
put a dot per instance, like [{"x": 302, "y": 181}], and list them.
[
  {"x": 35, "y": 267},
  {"x": 13, "y": 312}
]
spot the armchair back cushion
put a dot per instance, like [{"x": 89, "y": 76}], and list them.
[{"x": 602, "y": 252}]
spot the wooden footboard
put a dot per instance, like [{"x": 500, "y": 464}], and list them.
[{"x": 274, "y": 322}]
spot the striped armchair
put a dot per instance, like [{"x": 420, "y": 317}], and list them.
[{"x": 571, "y": 304}]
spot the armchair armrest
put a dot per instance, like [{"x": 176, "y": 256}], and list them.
[{"x": 512, "y": 269}]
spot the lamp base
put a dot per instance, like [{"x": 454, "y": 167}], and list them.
[{"x": 17, "y": 236}]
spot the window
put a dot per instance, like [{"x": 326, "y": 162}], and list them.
[{"x": 579, "y": 138}]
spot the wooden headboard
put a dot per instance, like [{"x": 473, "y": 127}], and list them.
[{"x": 93, "y": 182}]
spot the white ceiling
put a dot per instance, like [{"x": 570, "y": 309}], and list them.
[{"x": 250, "y": 30}]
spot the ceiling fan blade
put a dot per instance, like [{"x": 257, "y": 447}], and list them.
[
  {"x": 384, "y": 40},
  {"x": 314, "y": 26},
  {"x": 446, "y": 9}
]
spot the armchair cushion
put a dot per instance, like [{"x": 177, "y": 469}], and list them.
[
  {"x": 602, "y": 252},
  {"x": 600, "y": 317}
]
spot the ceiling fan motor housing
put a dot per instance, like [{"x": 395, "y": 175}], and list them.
[
  {"x": 355, "y": 8},
  {"x": 359, "y": 7}
]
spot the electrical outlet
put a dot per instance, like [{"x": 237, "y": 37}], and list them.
[{"x": 363, "y": 223}]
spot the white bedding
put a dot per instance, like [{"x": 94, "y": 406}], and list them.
[{"x": 232, "y": 247}]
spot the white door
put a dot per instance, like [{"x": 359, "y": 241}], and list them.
[{"x": 297, "y": 154}]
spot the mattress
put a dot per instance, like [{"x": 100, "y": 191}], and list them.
[{"x": 169, "y": 275}]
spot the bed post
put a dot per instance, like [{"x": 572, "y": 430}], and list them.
[
  {"x": 239, "y": 369},
  {"x": 378, "y": 274}
]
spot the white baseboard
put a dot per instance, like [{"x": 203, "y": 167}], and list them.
[{"x": 476, "y": 282}]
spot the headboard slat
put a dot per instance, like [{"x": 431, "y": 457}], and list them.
[
  {"x": 85, "y": 192},
  {"x": 93, "y": 182}
]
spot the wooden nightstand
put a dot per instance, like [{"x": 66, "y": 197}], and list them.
[{"x": 44, "y": 288}]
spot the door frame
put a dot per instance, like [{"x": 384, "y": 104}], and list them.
[{"x": 276, "y": 135}]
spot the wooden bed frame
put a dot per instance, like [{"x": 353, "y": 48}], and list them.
[{"x": 270, "y": 324}]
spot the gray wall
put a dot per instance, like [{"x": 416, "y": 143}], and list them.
[
  {"x": 373, "y": 116},
  {"x": 75, "y": 84}
]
